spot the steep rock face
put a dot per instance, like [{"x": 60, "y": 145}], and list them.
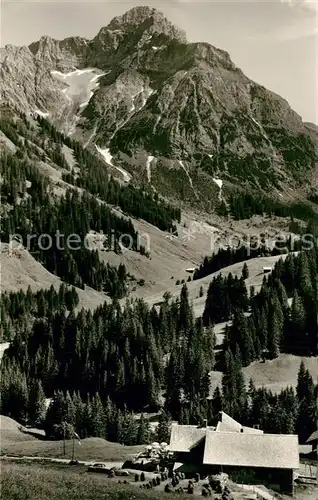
[
  {"x": 26, "y": 83},
  {"x": 62, "y": 55},
  {"x": 141, "y": 90}
]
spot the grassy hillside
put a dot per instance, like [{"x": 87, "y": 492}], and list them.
[
  {"x": 20, "y": 270},
  {"x": 17, "y": 443},
  {"x": 275, "y": 374},
  {"x": 28, "y": 481},
  {"x": 36, "y": 482}
]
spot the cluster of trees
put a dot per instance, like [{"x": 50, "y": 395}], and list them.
[
  {"x": 96, "y": 417},
  {"x": 228, "y": 256},
  {"x": 21, "y": 398},
  {"x": 268, "y": 323},
  {"x": 33, "y": 143},
  {"x": 90, "y": 416},
  {"x": 18, "y": 309},
  {"x": 225, "y": 296},
  {"x": 140, "y": 203},
  {"x": 131, "y": 354},
  {"x": 15, "y": 172},
  {"x": 245, "y": 205},
  {"x": 290, "y": 411}
]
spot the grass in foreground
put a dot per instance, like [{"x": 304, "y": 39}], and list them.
[{"x": 43, "y": 482}]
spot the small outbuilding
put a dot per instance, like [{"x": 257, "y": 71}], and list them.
[
  {"x": 267, "y": 270},
  {"x": 191, "y": 270}
]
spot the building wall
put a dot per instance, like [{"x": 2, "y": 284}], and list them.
[
  {"x": 277, "y": 479},
  {"x": 195, "y": 456}
]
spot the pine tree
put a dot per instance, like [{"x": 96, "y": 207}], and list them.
[
  {"x": 144, "y": 431},
  {"x": 98, "y": 427},
  {"x": 295, "y": 336},
  {"x": 36, "y": 403},
  {"x": 217, "y": 402},
  {"x": 274, "y": 336},
  {"x": 245, "y": 271},
  {"x": 185, "y": 313},
  {"x": 306, "y": 418},
  {"x": 56, "y": 414},
  {"x": 164, "y": 428}
]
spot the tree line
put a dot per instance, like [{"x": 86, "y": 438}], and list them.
[
  {"x": 141, "y": 203},
  {"x": 243, "y": 205},
  {"x": 225, "y": 257},
  {"x": 17, "y": 309}
]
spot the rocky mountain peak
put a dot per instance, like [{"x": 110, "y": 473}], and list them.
[
  {"x": 155, "y": 21},
  {"x": 44, "y": 43},
  {"x": 134, "y": 16}
]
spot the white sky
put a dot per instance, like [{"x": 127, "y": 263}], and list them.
[{"x": 275, "y": 42}]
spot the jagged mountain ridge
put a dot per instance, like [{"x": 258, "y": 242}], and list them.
[{"x": 142, "y": 91}]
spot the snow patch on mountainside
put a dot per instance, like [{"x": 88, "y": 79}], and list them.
[
  {"x": 76, "y": 72},
  {"x": 133, "y": 107},
  {"x": 41, "y": 113},
  {"x": 81, "y": 85},
  {"x": 157, "y": 123},
  {"x": 93, "y": 85},
  {"x": 187, "y": 173},
  {"x": 218, "y": 182},
  {"x": 145, "y": 96},
  {"x": 108, "y": 158},
  {"x": 3, "y": 347},
  {"x": 148, "y": 167}
]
